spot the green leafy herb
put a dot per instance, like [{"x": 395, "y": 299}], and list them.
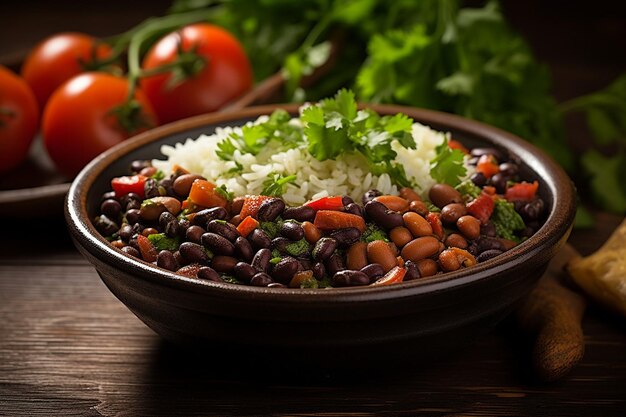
[
  {"x": 231, "y": 279},
  {"x": 447, "y": 167},
  {"x": 276, "y": 183},
  {"x": 507, "y": 220},
  {"x": 163, "y": 242},
  {"x": 223, "y": 191},
  {"x": 275, "y": 260},
  {"x": 309, "y": 282},
  {"x": 372, "y": 233},
  {"x": 158, "y": 176},
  {"x": 298, "y": 248},
  {"x": 271, "y": 228},
  {"x": 468, "y": 188}
]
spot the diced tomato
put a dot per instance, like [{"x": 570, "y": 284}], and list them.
[
  {"x": 489, "y": 189},
  {"x": 481, "y": 207},
  {"x": 326, "y": 203},
  {"x": 394, "y": 276},
  {"x": 203, "y": 194},
  {"x": 129, "y": 184},
  {"x": 455, "y": 144},
  {"x": 487, "y": 165},
  {"x": 146, "y": 248},
  {"x": 247, "y": 225},
  {"x": 521, "y": 191},
  {"x": 434, "y": 219},
  {"x": 331, "y": 220},
  {"x": 251, "y": 205}
]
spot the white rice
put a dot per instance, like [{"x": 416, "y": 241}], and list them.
[{"x": 346, "y": 175}]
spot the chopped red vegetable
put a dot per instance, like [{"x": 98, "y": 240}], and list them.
[
  {"x": 481, "y": 207},
  {"x": 394, "y": 276},
  {"x": 203, "y": 194},
  {"x": 129, "y": 184},
  {"x": 251, "y": 205},
  {"x": 247, "y": 225},
  {"x": 326, "y": 203},
  {"x": 488, "y": 166},
  {"x": 434, "y": 219},
  {"x": 521, "y": 191},
  {"x": 455, "y": 144},
  {"x": 147, "y": 249},
  {"x": 331, "y": 220}
]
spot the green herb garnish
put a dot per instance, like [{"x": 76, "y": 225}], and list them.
[
  {"x": 163, "y": 242},
  {"x": 372, "y": 233},
  {"x": 275, "y": 185},
  {"x": 507, "y": 220}
]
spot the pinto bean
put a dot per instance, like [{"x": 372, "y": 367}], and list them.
[
  {"x": 409, "y": 194},
  {"x": 427, "y": 267},
  {"x": 400, "y": 236},
  {"x": 356, "y": 257},
  {"x": 469, "y": 226},
  {"x": 456, "y": 240},
  {"x": 418, "y": 207},
  {"x": 420, "y": 248},
  {"x": 452, "y": 212},
  {"x": 417, "y": 225},
  {"x": 311, "y": 233},
  {"x": 381, "y": 253},
  {"x": 443, "y": 194},
  {"x": 393, "y": 202}
]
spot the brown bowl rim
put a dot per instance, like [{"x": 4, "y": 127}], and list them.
[{"x": 557, "y": 224}]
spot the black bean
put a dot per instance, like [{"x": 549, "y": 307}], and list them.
[
  {"x": 166, "y": 187},
  {"x": 334, "y": 264},
  {"x": 324, "y": 248},
  {"x": 318, "y": 270},
  {"x": 208, "y": 273},
  {"x": 111, "y": 208},
  {"x": 269, "y": 210},
  {"x": 280, "y": 244},
  {"x": 479, "y": 179},
  {"x": 261, "y": 260},
  {"x": 166, "y": 260},
  {"x": 259, "y": 239},
  {"x": 138, "y": 228},
  {"x": 224, "y": 264},
  {"x": 174, "y": 229},
  {"x": 243, "y": 249},
  {"x": 383, "y": 217},
  {"x": 165, "y": 218},
  {"x": 139, "y": 164},
  {"x": 129, "y": 250},
  {"x": 284, "y": 270},
  {"x": 346, "y": 237},
  {"x": 237, "y": 205},
  {"x": 509, "y": 169},
  {"x": 301, "y": 214},
  {"x": 218, "y": 244},
  {"x": 130, "y": 198},
  {"x": 488, "y": 151},
  {"x": 499, "y": 181},
  {"x": 370, "y": 195},
  {"x": 244, "y": 271},
  {"x": 194, "y": 233},
  {"x": 346, "y": 199},
  {"x": 292, "y": 231},
  {"x": 179, "y": 258},
  {"x": 473, "y": 248},
  {"x": 374, "y": 271},
  {"x": 133, "y": 241},
  {"x": 488, "y": 229},
  {"x": 193, "y": 253},
  {"x": 488, "y": 254},
  {"x": 532, "y": 210},
  {"x": 105, "y": 226},
  {"x": 108, "y": 195},
  {"x": 261, "y": 279},
  {"x": 487, "y": 243},
  {"x": 125, "y": 232},
  {"x": 223, "y": 228},
  {"x": 133, "y": 216},
  {"x": 350, "y": 278},
  {"x": 183, "y": 224},
  {"x": 412, "y": 271},
  {"x": 203, "y": 217},
  {"x": 151, "y": 188},
  {"x": 354, "y": 208}
]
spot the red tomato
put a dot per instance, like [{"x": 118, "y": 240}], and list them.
[
  {"x": 59, "y": 58},
  {"x": 129, "y": 184},
  {"x": 225, "y": 75},
  {"x": 522, "y": 191},
  {"x": 79, "y": 121},
  {"x": 19, "y": 116}
]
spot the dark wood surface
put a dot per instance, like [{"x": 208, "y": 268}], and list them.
[{"x": 69, "y": 348}]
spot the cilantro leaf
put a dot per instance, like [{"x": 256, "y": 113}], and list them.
[
  {"x": 447, "y": 167},
  {"x": 507, "y": 220},
  {"x": 275, "y": 184}
]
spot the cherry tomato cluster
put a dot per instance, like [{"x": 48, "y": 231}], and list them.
[{"x": 73, "y": 87}]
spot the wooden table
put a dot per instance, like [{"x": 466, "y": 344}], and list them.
[{"x": 69, "y": 348}]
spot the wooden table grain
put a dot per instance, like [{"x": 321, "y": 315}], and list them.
[{"x": 68, "y": 347}]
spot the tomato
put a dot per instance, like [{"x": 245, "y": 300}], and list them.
[
  {"x": 481, "y": 207},
  {"x": 19, "y": 116},
  {"x": 247, "y": 225},
  {"x": 331, "y": 220},
  {"x": 80, "y": 122},
  {"x": 394, "y": 276},
  {"x": 251, "y": 205},
  {"x": 225, "y": 74},
  {"x": 203, "y": 194},
  {"x": 326, "y": 203},
  {"x": 57, "y": 59},
  {"x": 129, "y": 184},
  {"x": 522, "y": 191}
]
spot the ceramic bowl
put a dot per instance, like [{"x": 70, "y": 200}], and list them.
[{"x": 431, "y": 314}]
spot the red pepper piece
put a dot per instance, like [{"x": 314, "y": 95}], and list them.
[
  {"x": 487, "y": 165},
  {"x": 147, "y": 249},
  {"x": 434, "y": 219},
  {"x": 129, "y": 184},
  {"x": 521, "y": 191},
  {"x": 251, "y": 205},
  {"x": 247, "y": 225},
  {"x": 481, "y": 207},
  {"x": 331, "y": 220},
  {"x": 394, "y": 276},
  {"x": 326, "y": 203}
]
